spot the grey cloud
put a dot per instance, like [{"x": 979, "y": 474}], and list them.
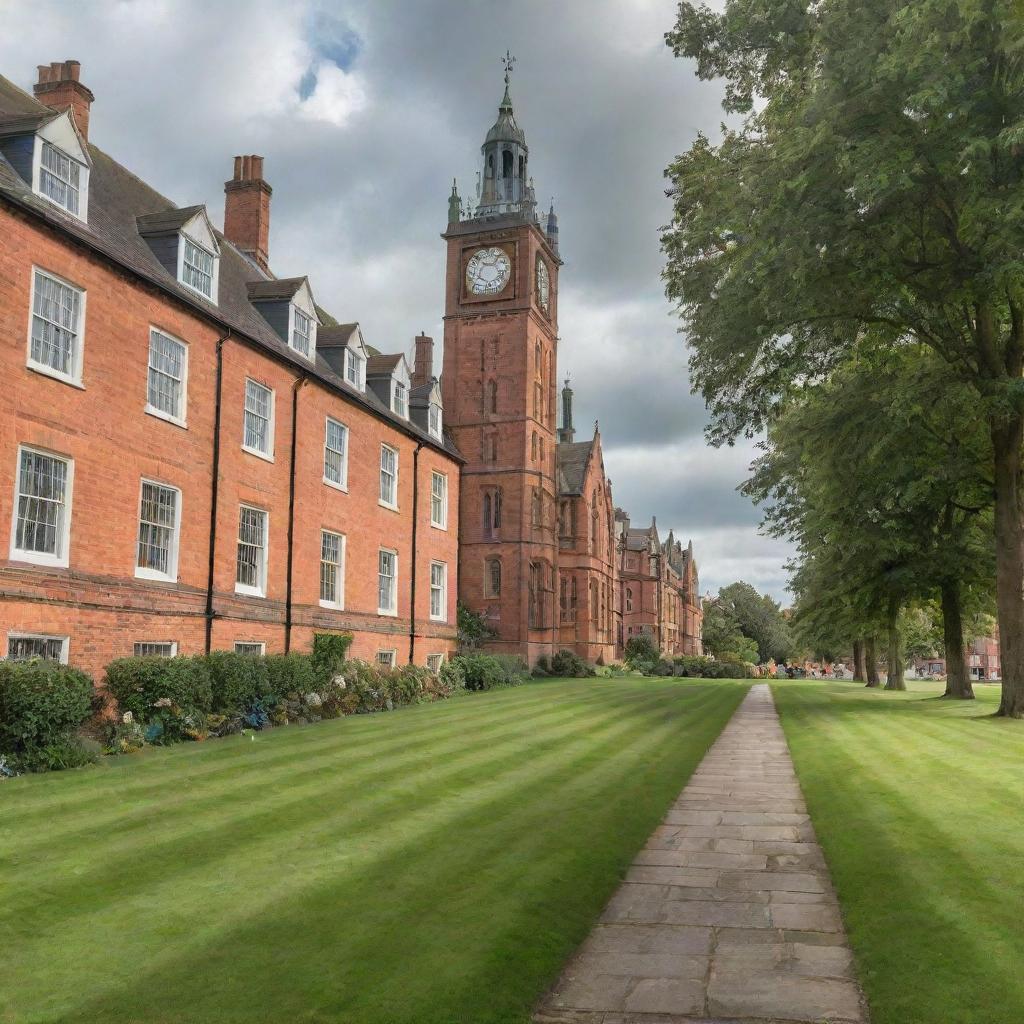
[{"x": 361, "y": 162}]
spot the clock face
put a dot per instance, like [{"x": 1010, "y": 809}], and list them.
[
  {"x": 543, "y": 285},
  {"x": 488, "y": 271}
]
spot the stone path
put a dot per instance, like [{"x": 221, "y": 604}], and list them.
[{"x": 728, "y": 914}]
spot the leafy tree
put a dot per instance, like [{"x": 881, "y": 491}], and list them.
[
  {"x": 471, "y": 629},
  {"x": 870, "y": 194},
  {"x": 760, "y": 619},
  {"x": 875, "y": 474}
]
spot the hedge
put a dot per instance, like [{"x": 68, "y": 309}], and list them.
[{"x": 41, "y": 705}]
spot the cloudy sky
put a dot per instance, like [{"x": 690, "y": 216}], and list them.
[{"x": 365, "y": 110}]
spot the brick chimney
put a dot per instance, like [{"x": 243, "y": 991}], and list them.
[
  {"x": 59, "y": 88},
  {"x": 423, "y": 363},
  {"x": 247, "y": 209}
]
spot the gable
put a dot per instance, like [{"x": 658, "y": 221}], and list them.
[{"x": 61, "y": 132}]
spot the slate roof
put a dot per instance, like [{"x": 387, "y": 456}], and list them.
[
  {"x": 166, "y": 222},
  {"x": 117, "y": 200},
  {"x": 279, "y": 288},
  {"x": 382, "y": 365},
  {"x": 571, "y": 458}
]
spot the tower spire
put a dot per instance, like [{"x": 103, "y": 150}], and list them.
[{"x": 566, "y": 433}]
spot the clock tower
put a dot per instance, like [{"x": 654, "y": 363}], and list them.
[{"x": 500, "y": 352}]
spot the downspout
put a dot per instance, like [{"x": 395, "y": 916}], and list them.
[
  {"x": 296, "y": 387},
  {"x": 214, "y": 488},
  {"x": 412, "y": 573}
]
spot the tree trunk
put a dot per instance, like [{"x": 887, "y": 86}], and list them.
[
  {"x": 1009, "y": 524},
  {"x": 871, "y": 662},
  {"x": 858, "y": 661},
  {"x": 894, "y": 649},
  {"x": 958, "y": 679}
]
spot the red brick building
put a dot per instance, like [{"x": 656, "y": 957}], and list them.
[
  {"x": 500, "y": 341},
  {"x": 660, "y": 595},
  {"x": 193, "y": 454},
  {"x": 588, "y": 597}
]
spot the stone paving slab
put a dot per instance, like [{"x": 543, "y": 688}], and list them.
[{"x": 728, "y": 915}]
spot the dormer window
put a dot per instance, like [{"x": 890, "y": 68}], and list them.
[
  {"x": 197, "y": 268},
  {"x": 434, "y": 420},
  {"x": 355, "y": 369},
  {"x": 303, "y": 336},
  {"x": 400, "y": 399},
  {"x": 59, "y": 178}
]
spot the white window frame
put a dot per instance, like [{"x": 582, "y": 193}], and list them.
[
  {"x": 442, "y": 589},
  {"x": 381, "y": 500},
  {"x": 260, "y": 590},
  {"x": 338, "y": 604},
  {"x": 442, "y": 523},
  {"x": 294, "y": 312},
  {"x": 183, "y": 241},
  {"x": 353, "y": 359},
  {"x": 82, "y": 213},
  {"x": 439, "y": 660},
  {"x": 392, "y": 610},
  {"x": 180, "y": 418},
  {"x": 387, "y": 658},
  {"x": 143, "y": 572},
  {"x": 62, "y": 560},
  {"x": 65, "y": 643},
  {"x": 341, "y": 485},
  {"x": 267, "y": 456},
  {"x": 261, "y": 644},
  {"x": 171, "y": 644},
  {"x": 75, "y": 376},
  {"x": 434, "y": 412},
  {"x": 400, "y": 398}
]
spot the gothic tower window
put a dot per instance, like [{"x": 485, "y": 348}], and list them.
[
  {"x": 536, "y": 358},
  {"x": 492, "y": 577},
  {"x": 488, "y": 516},
  {"x": 535, "y": 607},
  {"x": 629, "y": 599},
  {"x": 533, "y": 447},
  {"x": 563, "y": 597},
  {"x": 506, "y": 163},
  {"x": 536, "y": 510},
  {"x": 492, "y": 395}
]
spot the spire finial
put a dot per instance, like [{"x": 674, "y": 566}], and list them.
[{"x": 508, "y": 63}]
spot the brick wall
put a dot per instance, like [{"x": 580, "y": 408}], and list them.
[{"x": 103, "y": 427}]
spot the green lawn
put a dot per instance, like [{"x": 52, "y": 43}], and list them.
[
  {"x": 437, "y": 864},
  {"x": 919, "y": 805}
]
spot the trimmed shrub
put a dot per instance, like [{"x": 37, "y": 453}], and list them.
[
  {"x": 489, "y": 671},
  {"x": 513, "y": 669},
  {"x": 542, "y": 669},
  {"x": 691, "y": 665},
  {"x": 169, "y": 697},
  {"x": 241, "y": 686},
  {"x": 290, "y": 673},
  {"x": 41, "y": 705},
  {"x": 569, "y": 665},
  {"x": 452, "y": 675},
  {"x": 641, "y": 648},
  {"x": 329, "y": 651}
]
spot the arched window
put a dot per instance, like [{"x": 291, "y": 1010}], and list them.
[
  {"x": 629, "y": 599},
  {"x": 493, "y": 577},
  {"x": 563, "y": 596},
  {"x": 507, "y": 161},
  {"x": 594, "y": 520},
  {"x": 492, "y": 395},
  {"x": 522, "y": 167},
  {"x": 497, "y": 508},
  {"x": 533, "y": 447},
  {"x": 488, "y": 515},
  {"x": 537, "y": 411},
  {"x": 593, "y": 602},
  {"x": 535, "y": 607},
  {"x": 537, "y": 358}
]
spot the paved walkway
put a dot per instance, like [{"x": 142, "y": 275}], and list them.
[{"x": 728, "y": 913}]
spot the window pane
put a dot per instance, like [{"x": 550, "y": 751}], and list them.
[
  {"x": 22, "y": 648},
  {"x": 197, "y": 268},
  {"x": 330, "y": 567},
  {"x": 251, "y": 547},
  {"x": 158, "y": 518},
  {"x": 386, "y": 581},
  {"x": 55, "y": 315},
  {"x": 154, "y": 650},
  {"x": 387, "y": 475},
  {"x": 166, "y": 374},
  {"x": 301, "y": 333},
  {"x": 42, "y": 485},
  {"x": 58, "y": 177},
  {"x": 258, "y": 401},
  {"x": 334, "y": 452}
]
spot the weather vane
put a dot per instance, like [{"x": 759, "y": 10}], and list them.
[{"x": 508, "y": 62}]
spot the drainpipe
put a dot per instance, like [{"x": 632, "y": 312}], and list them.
[
  {"x": 412, "y": 573},
  {"x": 296, "y": 388},
  {"x": 214, "y": 487}
]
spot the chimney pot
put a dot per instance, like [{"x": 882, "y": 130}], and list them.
[
  {"x": 59, "y": 88},
  {"x": 423, "y": 361},
  {"x": 247, "y": 209}
]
